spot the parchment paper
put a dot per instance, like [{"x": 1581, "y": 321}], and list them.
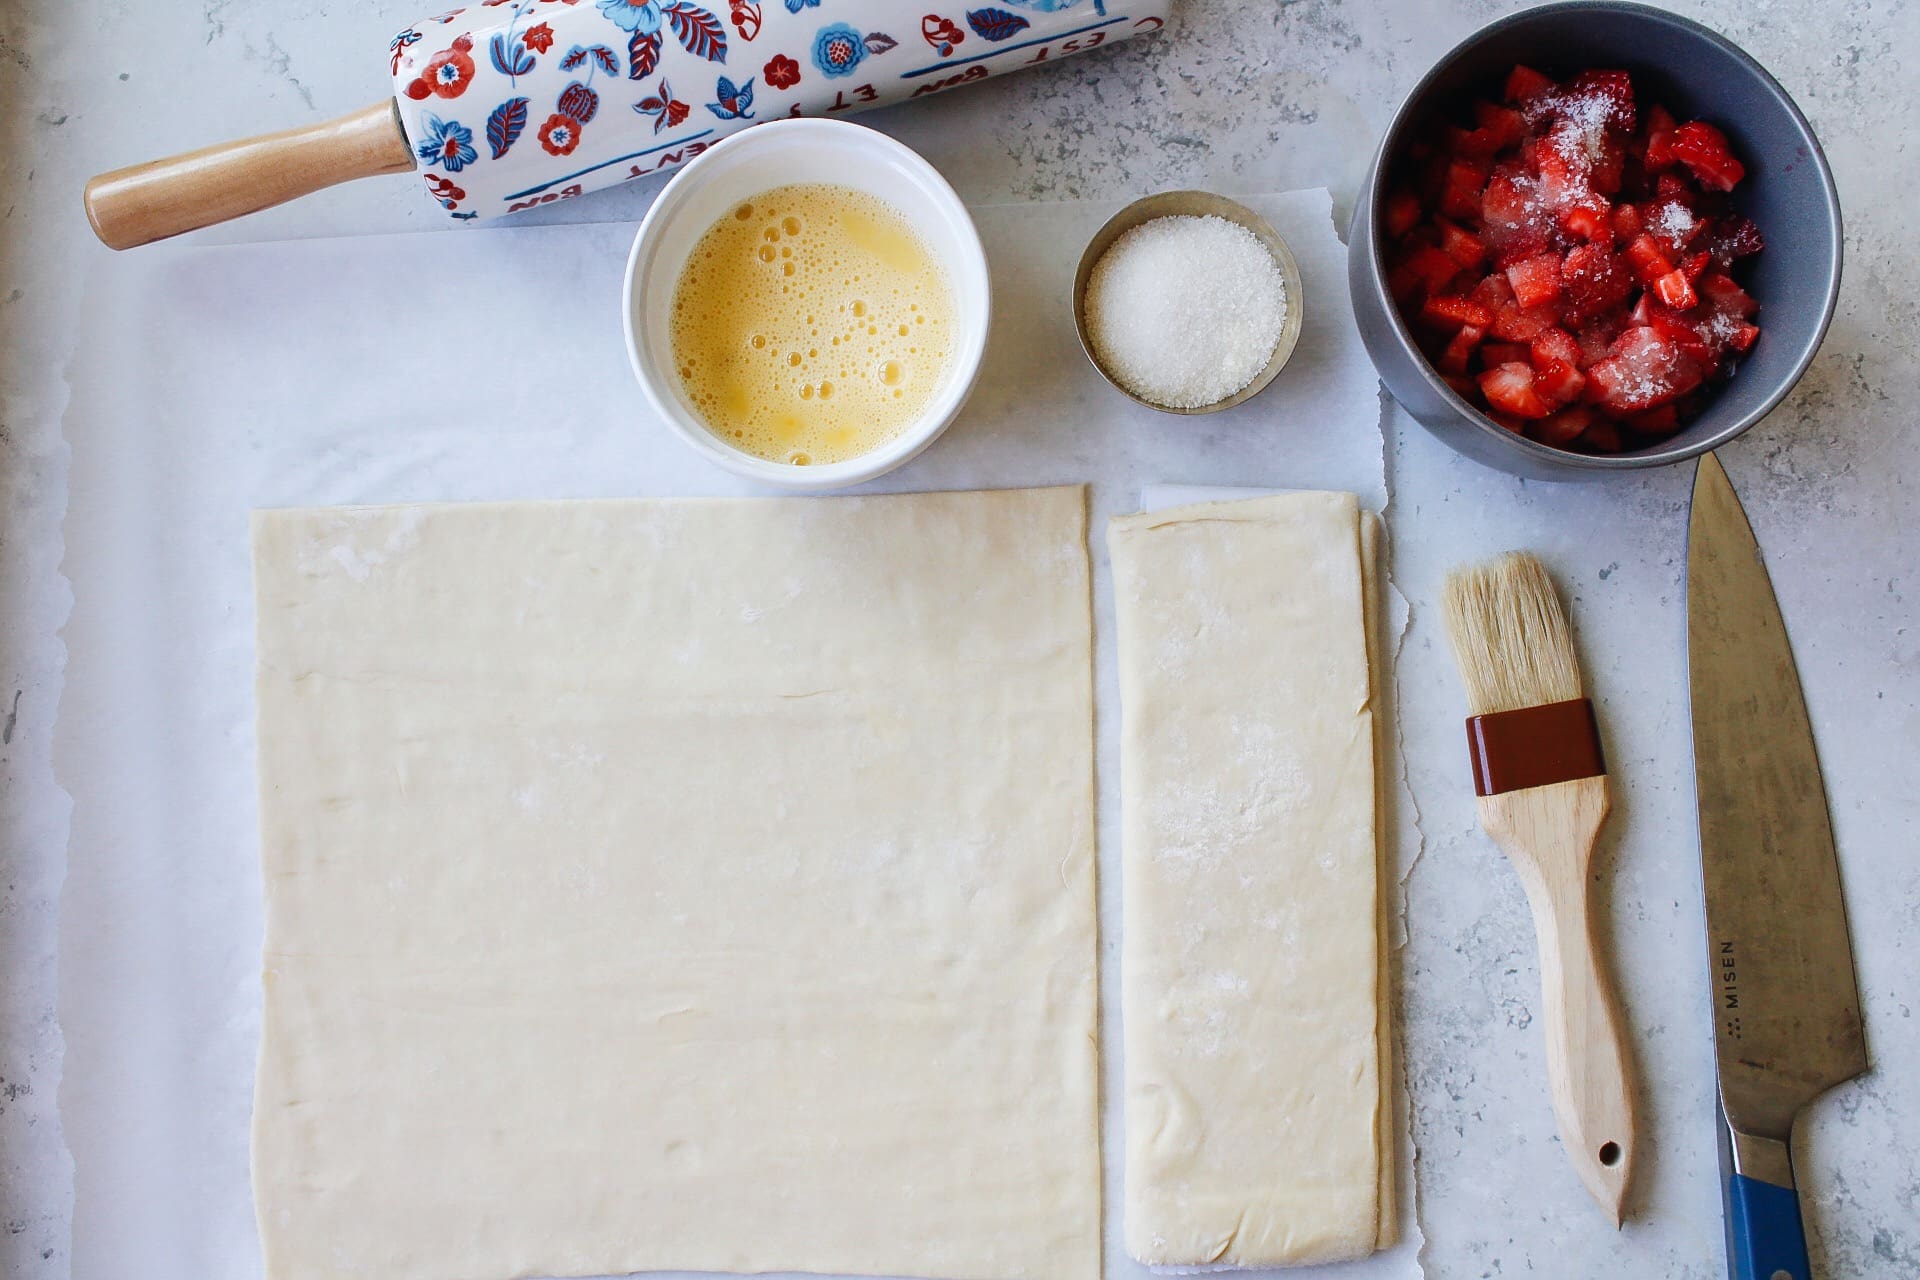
[{"x": 460, "y": 367}]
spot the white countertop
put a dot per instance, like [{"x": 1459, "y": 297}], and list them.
[{"x": 1241, "y": 95}]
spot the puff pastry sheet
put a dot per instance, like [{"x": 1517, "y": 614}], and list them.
[
  {"x": 678, "y": 885},
  {"x": 1254, "y": 987}
]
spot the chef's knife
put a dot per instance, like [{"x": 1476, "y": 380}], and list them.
[
  {"x": 509, "y": 104},
  {"x": 1786, "y": 1011}
]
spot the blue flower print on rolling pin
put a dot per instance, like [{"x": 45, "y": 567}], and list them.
[
  {"x": 448, "y": 144},
  {"x": 633, "y": 15},
  {"x": 839, "y": 48}
]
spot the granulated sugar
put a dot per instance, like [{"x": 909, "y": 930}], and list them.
[{"x": 1184, "y": 311}]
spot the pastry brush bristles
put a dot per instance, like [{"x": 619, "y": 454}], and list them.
[{"x": 1510, "y": 635}]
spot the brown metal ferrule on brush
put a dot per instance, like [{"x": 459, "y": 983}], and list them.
[
  {"x": 1534, "y": 747},
  {"x": 1542, "y": 785}
]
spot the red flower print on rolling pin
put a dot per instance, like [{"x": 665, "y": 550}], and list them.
[
  {"x": 540, "y": 38},
  {"x": 781, "y": 72},
  {"x": 560, "y": 134},
  {"x": 447, "y": 73}
]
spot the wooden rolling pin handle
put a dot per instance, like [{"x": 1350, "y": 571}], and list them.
[
  {"x": 1549, "y": 833},
  {"x": 164, "y": 198}
]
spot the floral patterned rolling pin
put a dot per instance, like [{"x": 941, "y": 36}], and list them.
[{"x": 505, "y": 105}]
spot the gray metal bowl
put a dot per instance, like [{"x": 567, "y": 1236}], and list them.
[
  {"x": 1789, "y": 192},
  {"x": 1199, "y": 204}
]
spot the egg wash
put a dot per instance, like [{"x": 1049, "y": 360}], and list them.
[{"x": 811, "y": 324}]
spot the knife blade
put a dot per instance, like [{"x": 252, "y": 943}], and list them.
[{"x": 1787, "y": 1023}]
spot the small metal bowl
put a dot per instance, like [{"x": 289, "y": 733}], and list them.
[{"x": 1197, "y": 204}]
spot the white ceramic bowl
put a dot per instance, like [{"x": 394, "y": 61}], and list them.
[{"x": 777, "y": 154}]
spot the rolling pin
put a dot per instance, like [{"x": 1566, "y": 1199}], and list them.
[{"x": 510, "y": 104}]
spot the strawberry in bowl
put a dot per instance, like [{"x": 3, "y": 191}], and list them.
[
  {"x": 1595, "y": 236},
  {"x": 1567, "y": 255}
]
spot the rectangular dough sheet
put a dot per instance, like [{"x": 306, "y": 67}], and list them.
[
  {"x": 678, "y": 885},
  {"x": 1255, "y": 987}
]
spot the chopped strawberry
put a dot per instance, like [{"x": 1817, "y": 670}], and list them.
[
  {"x": 1402, "y": 213},
  {"x": 1452, "y": 312},
  {"x": 1434, "y": 269},
  {"x": 1683, "y": 334},
  {"x": 1463, "y": 247},
  {"x": 1563, "y": 428},
  {"x": 1648, "y": 260},
  {"x": 1524, "y": 84},
  {"x": 1725, "y": 295},
  {"x": 1707, "y": 153},
  {"x": 1424, "y": 236},
  {"x": 1496, "y": 353},
  {"x": 1536, "y": 281},
  {"x": 1658, "y": 154},
  {"x": 1601, "y": 437},
  {"x": 1675, "y": 290},
  {"x": 1563, "y": 169},
  {"x": 1556, "y": 344},
  {"x": 1614, "y": 88},
  {"x": 1559, "y": 383},
  {"x": 1588, "y": 219},
  {"x": 1627, "y": 222},
  {"x": 1663, "y": 421},
  {"x": 1674, "y": 188},
  {"x": 1722, "y": 319},
  {"x": 1509, "y": 390},
  {"x": 1595, "y": 280},
  {"x": 1404, "y": 284},
  {"x": 1736, "y": 237},
  {"x": 1460, "y": 349},
  {"x": 1644, "y": 371},
  {"x": 1672, "y": 225},
  {"x": 1609, "y": 172},
  {"x": 1465, "y": 183},
  {"x": 1483, "y": 143},
  {"x": 1696, "y": 266},
  {"x": 1503, "y": 122},
  {"x": 1596, "y": 342},
  {"x": 1515, "y": 323},
  {"x": 1514, "y": 225},
  {"x": 1494, "y": 291}
]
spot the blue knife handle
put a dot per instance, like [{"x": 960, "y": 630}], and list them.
[{"x": 1764, "y": 1236}]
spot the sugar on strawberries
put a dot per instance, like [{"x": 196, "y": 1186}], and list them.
[{"x": 1566, "y": 259}]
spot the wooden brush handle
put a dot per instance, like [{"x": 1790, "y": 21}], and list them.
[
  {"x": 1548, "y": 833},
  {"x": 163, "y": 198}
]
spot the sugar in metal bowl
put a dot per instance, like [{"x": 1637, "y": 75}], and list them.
[{"x": 1123, "y": 370}]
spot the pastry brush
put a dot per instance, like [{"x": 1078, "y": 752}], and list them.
[{"x": 1542, "y": 787}]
